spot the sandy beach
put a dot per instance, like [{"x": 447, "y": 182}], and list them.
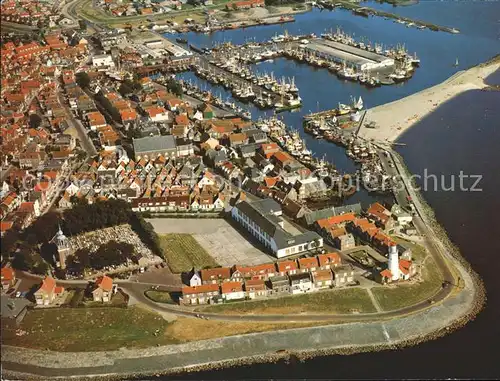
[{"x": 392, "y": 119}]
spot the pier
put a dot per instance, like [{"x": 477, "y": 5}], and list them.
[
  {"x": 367, "y": 11},
  {"x": 264, "y": 91},
  {"x": 370, "y": 65}
]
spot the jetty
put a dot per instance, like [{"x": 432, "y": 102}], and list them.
[{"x": 367, "y": 11}]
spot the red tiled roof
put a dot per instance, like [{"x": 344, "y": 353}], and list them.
[
  {"x": 216, "y": 273},
  {"x": 328, "y": 258},
  {"x": 286, "y": 266},
  {"x": 322, "y": 275},
  {"x": 48, "y": 285},
  {"x": 6, "y": 225},
  {"x": 228, "y": 287},
  {"x": 7, "y": 273},
  {"x": 307, "y": 263},
  {"x": 255, "y": 284},
  {"x": 105, "y": 283},
  {"x": 200, "y": 289}
]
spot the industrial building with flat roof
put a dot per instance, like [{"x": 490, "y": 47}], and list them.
[{"x": 338, "y": 52}]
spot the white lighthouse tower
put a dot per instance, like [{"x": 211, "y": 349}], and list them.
[{"x": 393, "y": 265}]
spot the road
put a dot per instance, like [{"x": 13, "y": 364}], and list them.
[{"x": 85, "y": 141}]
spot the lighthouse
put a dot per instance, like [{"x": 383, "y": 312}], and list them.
[{"x": 393, "y": 265}]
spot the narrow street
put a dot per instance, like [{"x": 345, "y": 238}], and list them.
[{"x": 85, "y": 141}]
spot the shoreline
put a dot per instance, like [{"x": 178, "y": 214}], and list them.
[
  {"x": 394, "y": 118},
  {"x": 362, "y": 337},
  {"x": 469, "y": 305}
]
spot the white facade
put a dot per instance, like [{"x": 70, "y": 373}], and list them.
[
  {"x": 393, "y": 265},
  {"x": 104, "y": 61},
  {"x": 269, "y": 241},
  {"x": 295, "y": 249},
  {"x": 195, "y": 280},
  {"x": 301, "y": 287},
  {"x": 235, "y": 295}
]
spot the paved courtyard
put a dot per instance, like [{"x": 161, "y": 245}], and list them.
[{"x": 223, "y": 242}]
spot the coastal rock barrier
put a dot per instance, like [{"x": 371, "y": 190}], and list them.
[
  {"x": 291, "y": 345},
  {"x": 283, "y": 345}
]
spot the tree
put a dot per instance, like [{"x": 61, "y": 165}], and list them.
[
  {"x": 129, "y": 86},
  {"x": 82, "y": 79},
  {"x": 174, "y": 87},
  {"x": 35, "y": 121},
  {"x": 125, "y": 89},
  {"x": 9, "y": 243}
]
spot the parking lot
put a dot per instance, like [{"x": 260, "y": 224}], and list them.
[{"x": 223, "y": 242}]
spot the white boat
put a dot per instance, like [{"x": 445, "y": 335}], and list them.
[{"x": 359, "y": 104}]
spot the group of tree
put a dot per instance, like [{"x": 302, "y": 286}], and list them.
[
  {"x": 129, "y": 87},
  {"x": 27, "y": 258},
  {"x": 101, "y": 214},
  {"x": 35, "y": 120},
  {"x": 112, "y": 253},
  {"x": 82, "y": 79},
  {"x": 31, "y": 249},
  {"x": 174, "y": 87}
]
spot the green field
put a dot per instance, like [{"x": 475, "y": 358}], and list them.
[
  {"x": 403, "y": 295},
  {"x": 160, "y": 297},
  {"x": 418, "y": 251},
  {"x": 339, "y": 301},
  {"x": 183, "y": 252},
  {"x": 83, "y": 329}
]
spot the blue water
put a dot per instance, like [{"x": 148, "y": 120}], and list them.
[
  {"x": 463, "y": 134},
  {"x": 321, "y": 90}
]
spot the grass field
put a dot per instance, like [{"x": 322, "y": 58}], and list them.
[
  {"x": 403, "y": 295},
  {"x": 331, "y": 301},
  {"x": 183, "y": 252},
  {"x": 83, "y": 329},
  {"x": 107, "y": 329},
  {"x": 160, "y": 297},
  {"x": 418, "y": 251},
  {"x": 188, "y": 329}
]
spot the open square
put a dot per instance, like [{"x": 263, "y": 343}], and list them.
[{"x": 222, "y": 241}]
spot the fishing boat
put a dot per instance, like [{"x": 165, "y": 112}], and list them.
[{"x": 344, "y": 109}]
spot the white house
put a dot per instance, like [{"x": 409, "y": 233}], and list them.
[
  {"x": 195, "y": 280},
  {"x": 262, "y": 219},
  {"x": 300, "y": 283},
  {"x": 232, "y": 291},
  {"x": 103, "y": 61},
  {"x": 402, "y": 217}
]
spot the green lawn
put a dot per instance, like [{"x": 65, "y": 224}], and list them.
[
  {"x": 418, "y": 251},
  {"x": 183, "y": 252},
  {"x": 402, "y": 295},
  {"x": 160, "y": 297},
  {"x": 331, "y": 301},
  {"x": 83, "y": 329}
]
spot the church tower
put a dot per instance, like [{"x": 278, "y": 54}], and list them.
[{"x": 63, "y": 247}]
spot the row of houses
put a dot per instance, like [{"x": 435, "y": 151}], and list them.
[
  {"x": 266, "y": 271},
  {"x": 277, "y": 285}
]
